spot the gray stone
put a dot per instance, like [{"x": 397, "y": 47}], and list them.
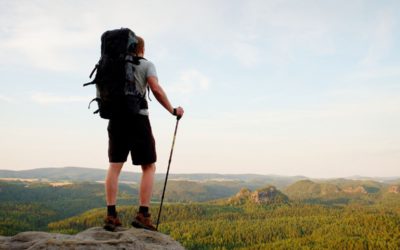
[{"x": 91, "y": 239}]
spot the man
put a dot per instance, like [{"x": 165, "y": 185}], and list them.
[{"x": 133, "y": 134}]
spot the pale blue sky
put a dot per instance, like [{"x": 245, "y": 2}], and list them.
[{"x": 269, "y": 87}]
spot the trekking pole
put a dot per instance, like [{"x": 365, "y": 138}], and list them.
[{"x": 166, "y": 177}]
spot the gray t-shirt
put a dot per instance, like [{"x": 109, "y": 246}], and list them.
[{"x": 137, "y": 79}]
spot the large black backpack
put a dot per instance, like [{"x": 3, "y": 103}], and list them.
[{"x": 114, "y": 72}]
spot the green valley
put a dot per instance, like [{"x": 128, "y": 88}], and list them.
[{"x": 207, "y": 211}]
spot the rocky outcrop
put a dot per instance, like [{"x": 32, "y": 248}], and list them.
[
  {"x": 355, "y": 190},
  {"x": 266, "y": 195},
  {"x": 241, "y": 197},
  {"x": 395, "y": 189},
  {"x": 91, "y": 239}
]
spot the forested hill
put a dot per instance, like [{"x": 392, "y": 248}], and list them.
[
  {"x": 260, "y": 226},
  {"x": 329, "y": 215},
  {"x": 266, "y": 219},
  {"x": 341, "y": 191}
]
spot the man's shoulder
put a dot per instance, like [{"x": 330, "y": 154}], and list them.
[
  {"x": 146, "y": 62},
  {"x": 148, "y": 67}
]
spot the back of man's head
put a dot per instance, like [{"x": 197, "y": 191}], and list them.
[{"x": 139, "y": 46}]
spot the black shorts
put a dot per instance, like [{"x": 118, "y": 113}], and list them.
[{"x": 133, "y": 135}]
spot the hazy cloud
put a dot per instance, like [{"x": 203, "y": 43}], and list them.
[
  {"x": 43, "y": 36},
  {"x": 57, "y": 35},
  {"x": 381, "y": 38},
  {"x": 247, "y": 54},
  {"x": 48, "y": 98},
  {"x": 375, "y": 73},
  {"x": 190, "y": 81},
  {"x": 7, "y": 99}
]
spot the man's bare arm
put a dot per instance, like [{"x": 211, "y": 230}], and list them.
[{"x": 161, "y": 96}]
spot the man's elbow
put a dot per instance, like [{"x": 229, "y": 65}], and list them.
[{"x": 157, "y": 92}]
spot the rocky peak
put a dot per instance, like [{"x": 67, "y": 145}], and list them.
[
  {"x": 268, "y": 195},
  {"x": 394, "y": 189},
  {"x": 91, "y": 239},
  {"x": 244, "y": 192},
  {"x": 262, "y": 196},
  {"x": 358, "y": 189}
]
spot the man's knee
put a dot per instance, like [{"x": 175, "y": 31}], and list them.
[
  {"x": 116, "y": 164},
  {"x": 115, "y": 168},
  {"x": 149, "y": 167}
]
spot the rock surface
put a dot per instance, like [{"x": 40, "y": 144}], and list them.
[
  {"x": 92, "y": 238},
  {"x": 395, "y": 189},
  {"x": 267, "y": 195},
  {"x": 358, "y": 189}
]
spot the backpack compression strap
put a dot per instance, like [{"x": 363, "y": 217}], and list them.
[
  {"x": 136, "y": 61},
  {"x": 90, "y": 76}
]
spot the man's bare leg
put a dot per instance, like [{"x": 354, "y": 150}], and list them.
[
  {"x": 146, "y": 184},
  {"x": 142, "y": 219},
  {"x": 111, "y": 184}
]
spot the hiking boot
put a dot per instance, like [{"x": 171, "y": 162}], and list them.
[
  {"x": 142, "y": 221},
  {"x": 111, "y": 222}
]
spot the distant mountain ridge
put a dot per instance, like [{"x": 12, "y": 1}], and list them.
[
  {"x": 94, "y": 174},
  {"x": 341, "y": 190}
]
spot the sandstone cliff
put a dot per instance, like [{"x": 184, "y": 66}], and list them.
[{"x": 267, "y": 195}]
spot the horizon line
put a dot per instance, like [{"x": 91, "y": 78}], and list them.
[{"x": 210, "y": 173}]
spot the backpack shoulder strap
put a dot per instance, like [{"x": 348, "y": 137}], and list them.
[
  {"x": 135, "y": 60},
  {"x": 138, "y": 58}
]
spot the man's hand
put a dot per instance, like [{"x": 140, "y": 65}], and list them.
[{"x": 178, "y": 112}]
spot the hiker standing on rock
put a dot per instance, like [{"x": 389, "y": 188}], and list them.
[{"x": 133, "y": 134}]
